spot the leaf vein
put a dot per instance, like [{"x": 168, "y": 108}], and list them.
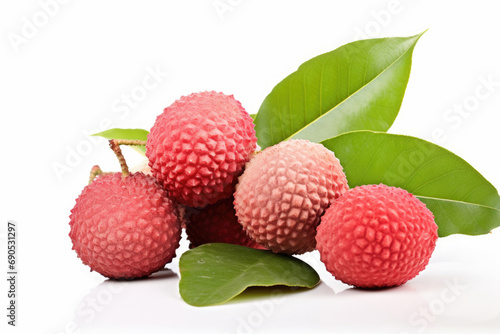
[{"x": 351, "y": 95}]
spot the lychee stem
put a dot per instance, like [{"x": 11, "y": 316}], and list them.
[
  {"x": 96, "y": 170},
  {"x": 115, "y": 146},
  {"x": 130, "y": 142}
]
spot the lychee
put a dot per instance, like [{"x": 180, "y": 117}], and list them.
[
  {"x": 124, "y": 226},
  {"x": 198, "y": 147},
  {"x": 376, "y": 236},
  {"x": 283, "y": 193},
  {"x": 217, "y": 223},
  {"x": 144, "y": 168}
]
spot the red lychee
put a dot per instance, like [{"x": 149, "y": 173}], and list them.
[
  {"x": 124, "y": 227},
  {"x": 376, "y": 236},
  {"x": 217, "y": 223},
  {"x": 283, "y": 193},
  {"x": 197, "y": 148}
]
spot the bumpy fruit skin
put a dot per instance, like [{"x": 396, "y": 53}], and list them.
[
  {"x": 376, "y": 236},
  {"x": 124, "y": 227},
  {"x": 217, "y": 223},
  {"x": 283, "y": 193},
  {"x": 198, "y": 147}
]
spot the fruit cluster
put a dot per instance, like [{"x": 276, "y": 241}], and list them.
[{"x": 206, "y": 172}]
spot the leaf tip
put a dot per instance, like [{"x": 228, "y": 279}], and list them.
[{"x": 420, "y": 35}]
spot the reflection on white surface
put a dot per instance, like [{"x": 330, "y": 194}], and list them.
[
  {"x": 457, "y": 292},
  {"x": 128, "y": 303}
]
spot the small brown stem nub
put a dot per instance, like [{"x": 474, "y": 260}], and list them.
[{"x": 96, "y": 170}]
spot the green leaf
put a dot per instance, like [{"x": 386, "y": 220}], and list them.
[
  {"x": 212, "y": 274},
  {"x": 461, "y": 199},
  {"x": 131, "y": 134},
  {"x": 460, "y": 217},
  {"x": 253, "y": 116},
  {"x": 359, "y": 86}
]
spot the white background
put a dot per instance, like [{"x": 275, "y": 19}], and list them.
[{"x": 67, "y": 76}]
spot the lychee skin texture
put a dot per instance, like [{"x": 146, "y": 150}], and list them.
[
  {"x": 283, "y": 193},
  {"x": 198, "y": 147},
  {"x": 124, "y": 227},
  {"x": 376, "y": 236},
  {"x": 217, "y": 223}
]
